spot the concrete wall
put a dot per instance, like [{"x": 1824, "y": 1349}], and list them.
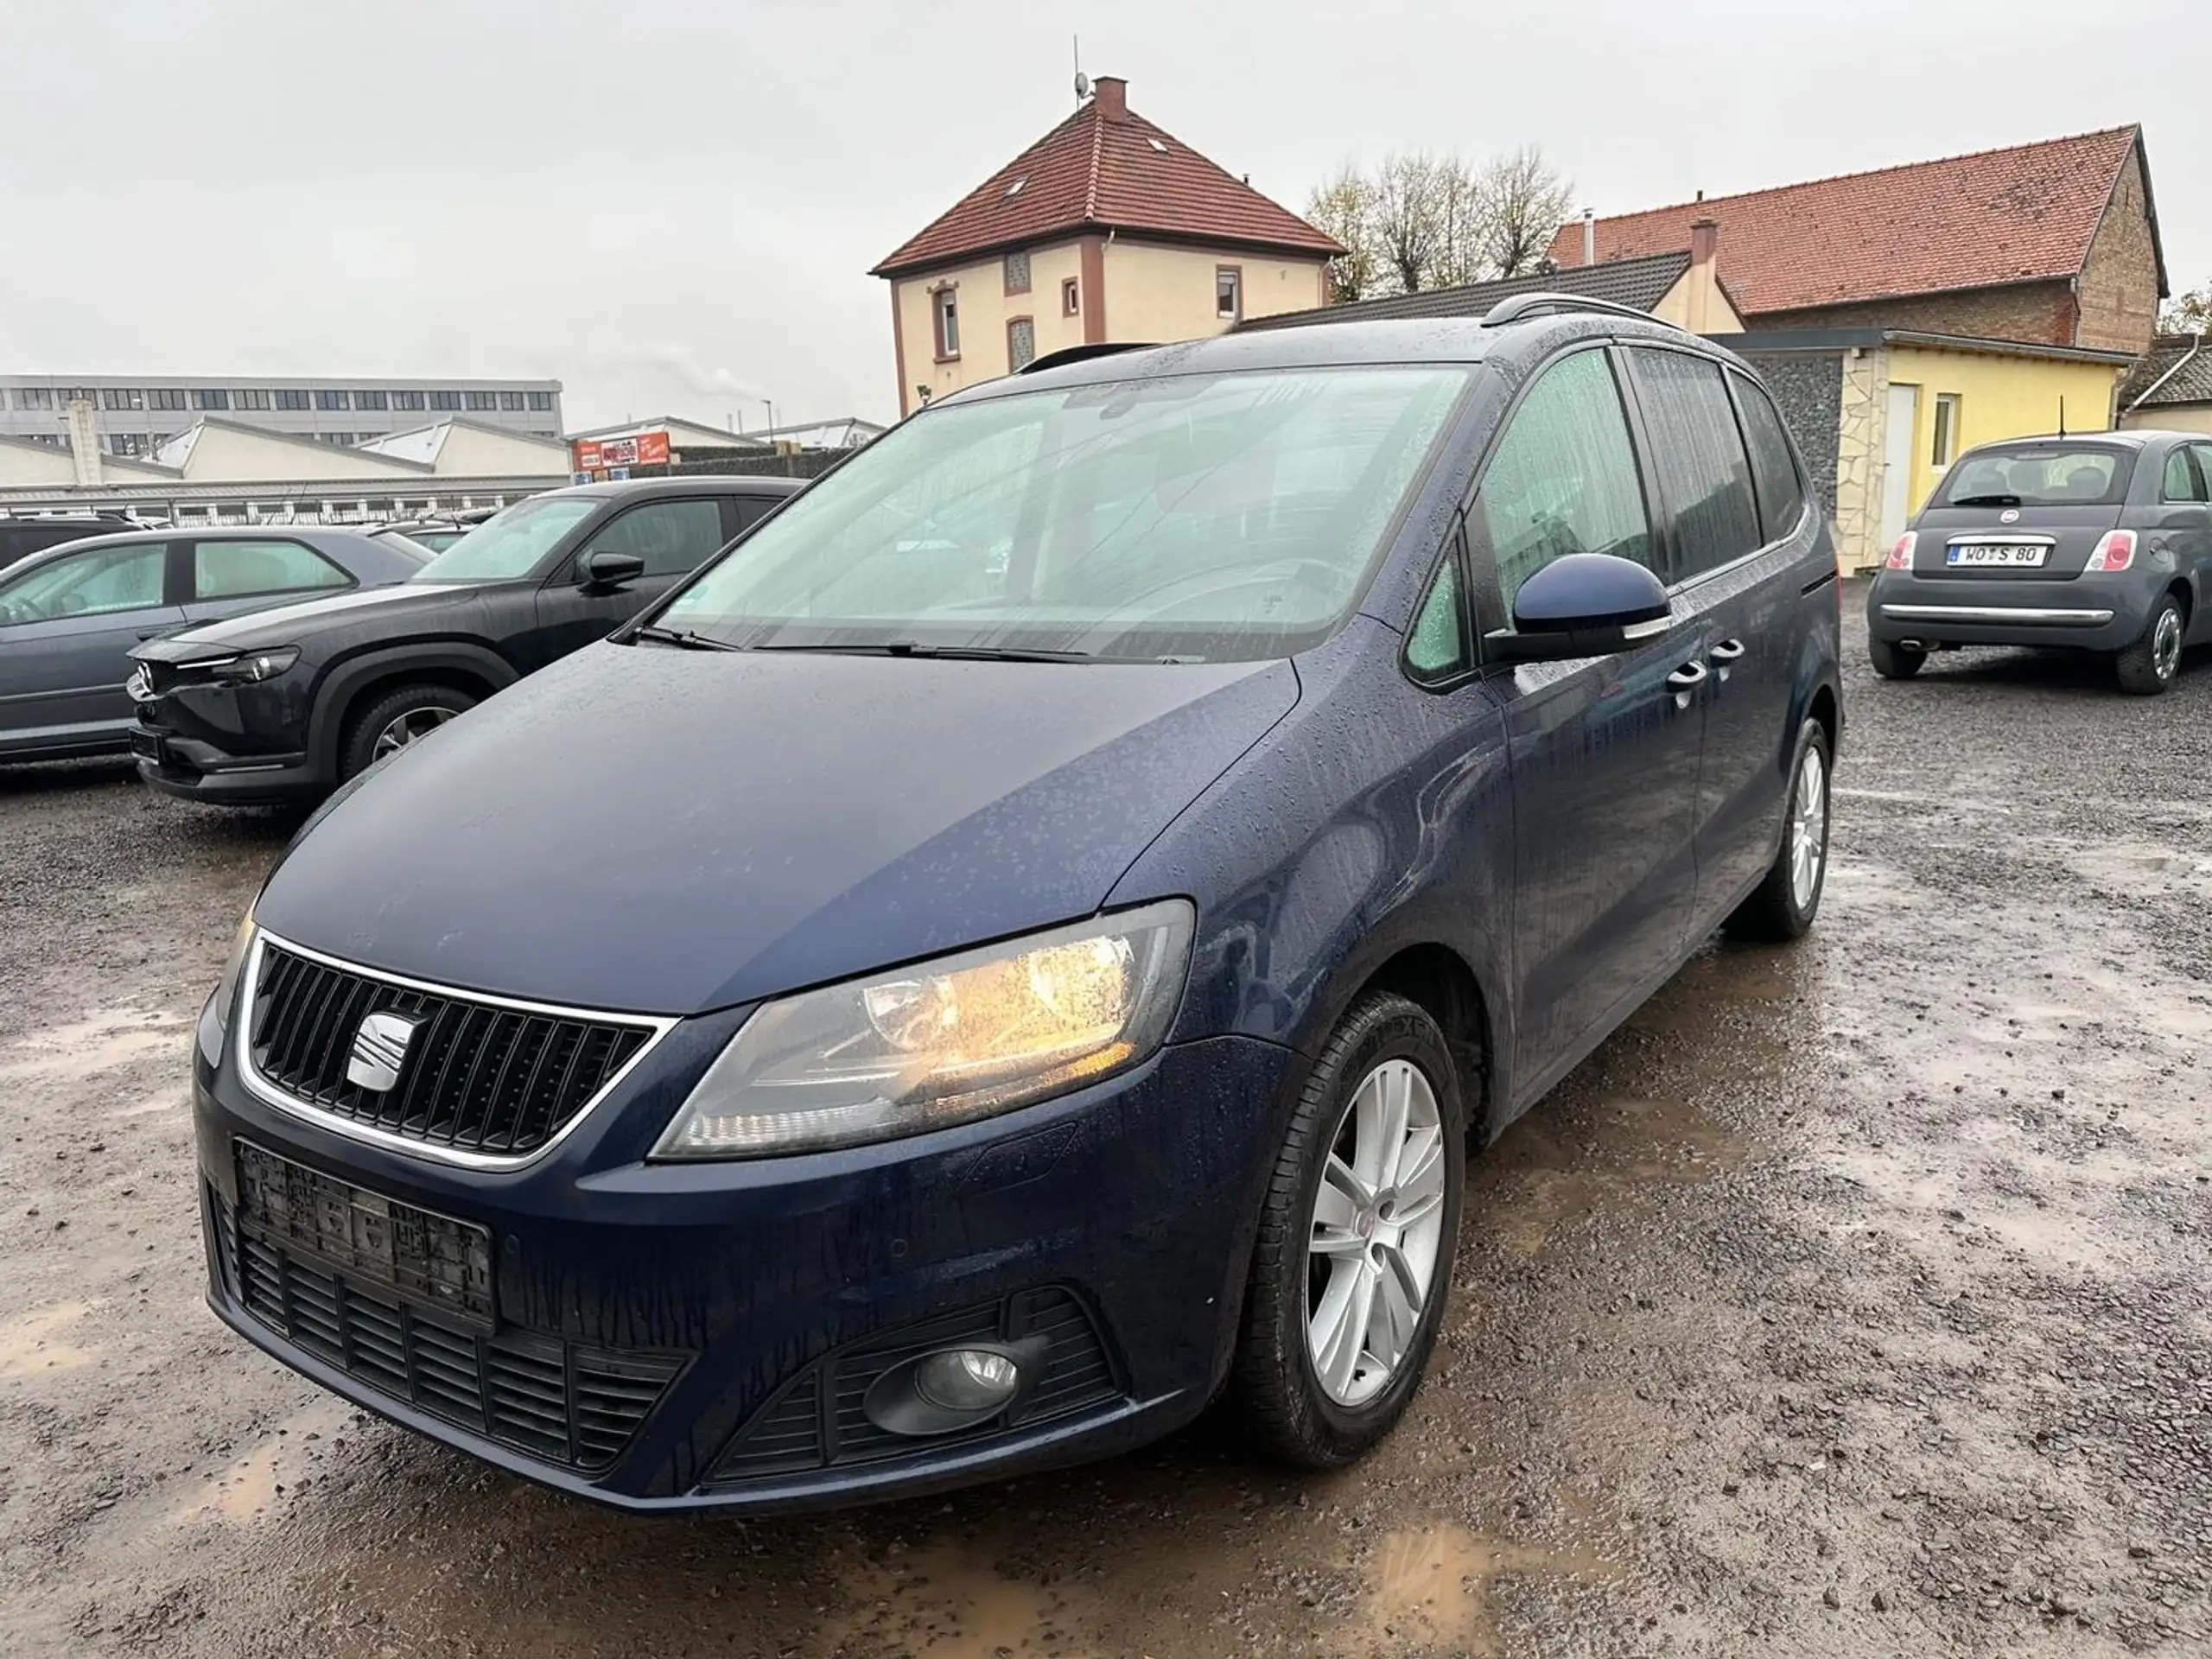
[
  {"x": 2118, "y": 296},
  {"x": 1156, "y": 292},
  {"x": 1998, "y": 398},
  {"x": 985, "y": 309},
  {"x": 2170, "y": 417},
  {"x": 2042, "y": 312}
]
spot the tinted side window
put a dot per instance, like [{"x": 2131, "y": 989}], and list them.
[
  {"x": 232, "y": 570},
  {"x": 1774, "y": 469},
  {"x": 2182, "y": 482},
  {"x": 1700, "y": 457},
  {"x": 1563, "y": 478},
  {"x": 2203, "y": 454},
  {"x": 749, "y": 510},
  {"x": 98, "y": 579},
  {"x": 671, "y": 537}
]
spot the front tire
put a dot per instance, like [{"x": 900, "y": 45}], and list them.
[
  {"x": 1782, "y": 907},
  {"x": 395, "y": 720},
  {"x": 2153, "y": 662},
  {"x": 1894, "y": 662},
  {"x": 1353, "y": 1262}
]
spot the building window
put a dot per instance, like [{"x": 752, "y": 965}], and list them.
[
  {"x": 1021, "y": 343},
  {"x": 1946, "y": 449},
  {"x": 340, "y": 439},
  {"x": 945, "y": 312},
  {"x": 539, "y": 399},
  {"x": 332, "y": 400},
  {"x": 210, "y": 398},
  {"x": 445, "y": 400},
  {"x": 252, "y": 397},
  {"x": 33, "y": 397},
  {"x": 1229, "y": 291},
  {"x": 291, "y": 398},
  {"x": 79, "y": 395},
  {"x": 511, "y": 400},
  {"x": 165, "y": 398},
  {"x": 126, "y": 444},
  {"x": 481, "y": 399},
  {"x": 1017, "y": 273},
  {"x": 369, "y": 400},
  {"x": 407, "y": 400},
  {"x": 123, "y": 398}
]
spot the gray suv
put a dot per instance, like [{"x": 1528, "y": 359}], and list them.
[{"x": 2099, "y": 543}]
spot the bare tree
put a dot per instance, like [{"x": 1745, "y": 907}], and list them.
[
  {"x": 1344, "y": 207},
  {"x": 1408, "y": 225},
  {"x": 2187, "y": 313},
  {"x": 1523, "y": 201}
]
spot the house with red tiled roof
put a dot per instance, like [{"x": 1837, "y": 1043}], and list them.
[
  {"x": 2054, "y": 243},
  {"x": 1106, "y": 228}
]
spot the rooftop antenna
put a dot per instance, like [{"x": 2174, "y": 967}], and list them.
[
  {"x": 1081, "y": 81},
  {"x": 2062, "y": 413}
]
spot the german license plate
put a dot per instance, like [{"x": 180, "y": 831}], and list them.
[
  {"x": 2016, "y": 555},
  {"x": 418, "y": 1253}
]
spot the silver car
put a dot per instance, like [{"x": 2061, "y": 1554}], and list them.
[
  {"x": 2101, "y": 542},
  {"x": 69, "y": 616}
]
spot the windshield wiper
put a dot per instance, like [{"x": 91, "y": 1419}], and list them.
[
  {"x": 1985, "y": 501},
  {"x": 683, "y": 639},
  {"x": 915, "y": 648}
]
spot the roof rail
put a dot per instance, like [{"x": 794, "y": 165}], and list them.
[
  {"x": 1083, "y": 353},
  {"x": 1518, "y": 306}
]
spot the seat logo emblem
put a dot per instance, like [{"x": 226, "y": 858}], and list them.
[{"x": 380, "y": 1051}]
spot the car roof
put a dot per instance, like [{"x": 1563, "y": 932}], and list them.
[
  {"x": 709, "y": 484},
  {"x": 2134, "y": 440},
  {"x": 1389, "y": 341}
]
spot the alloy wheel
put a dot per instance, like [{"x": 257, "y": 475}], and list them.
[
  {"x": 2165, "y": 644},
  {"x": 1373, "y": 1238},
  {"x": 1808, "y": 828},
  {"x": 404, "y": 730}
]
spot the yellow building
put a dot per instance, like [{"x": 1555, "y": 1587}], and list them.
[
  {"x": 1106, "y": 229},
  {"x": 1881, "y": 413}
]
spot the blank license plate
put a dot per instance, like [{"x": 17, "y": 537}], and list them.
[
  {"x": 2014, "y": 554},
  {"x": 418, "y": 1253},
  {"x": 147, "y": 747}
]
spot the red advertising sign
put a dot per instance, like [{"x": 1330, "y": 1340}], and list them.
[{"x": 646, "y": 449}]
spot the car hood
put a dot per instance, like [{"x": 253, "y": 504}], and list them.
[
  {"x": 665, "y": 832},
  {"x": 284, "y": 625}
]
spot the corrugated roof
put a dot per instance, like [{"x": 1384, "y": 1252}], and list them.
[
  {"x": 1106, "y": 168},
  {"x": 2178, "y": 367},
  {"x": 2025, "y": 214},
  {"x": 1641, "y": 284}
]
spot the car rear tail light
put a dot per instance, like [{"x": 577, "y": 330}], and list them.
[
  {"x": 1900, "y": 554},
  {"x": 2115, "y": 552}
]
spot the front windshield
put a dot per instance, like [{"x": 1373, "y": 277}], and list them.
[
  {"x": 2040, "y": 475},
  {"x": 1224, "y": 517},
  {"x": 509, "y": 544}
]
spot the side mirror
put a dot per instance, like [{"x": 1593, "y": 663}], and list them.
[
  {"x": 605, "y": 572},
  {"x": 1583, "y": 605}
]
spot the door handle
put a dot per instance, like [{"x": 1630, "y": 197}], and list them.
[
  {"x": 1726, "y": 654},
  {"x": 1684, "y": 683}
]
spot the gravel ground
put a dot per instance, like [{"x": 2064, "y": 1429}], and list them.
[{"x": 1849, "y": 1301}]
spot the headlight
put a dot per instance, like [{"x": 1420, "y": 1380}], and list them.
[
  {"x": 227, "y": 987},
  {"x": 249, "y": 668},
  {"x": 942, "y": 1042}
]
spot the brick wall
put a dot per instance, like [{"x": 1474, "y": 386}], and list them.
[
  {"x": 2031, "y": 311},
  {"x": 2119, "y": 280}
]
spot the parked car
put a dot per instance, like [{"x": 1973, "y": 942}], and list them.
[
  {"x": 2098, "y": 542},
  {"x": 1024, "y": 941},
  {"x": 339, "y": 683},
  {"x": 21, "y": 537},
  {"x": 435, "y": 535},
  {"x": 70, "y": 616}
]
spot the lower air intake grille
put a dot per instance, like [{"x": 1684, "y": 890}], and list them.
[
  {"x": 559, "y": 1401},
  {"x": 817, "y": 1419}
]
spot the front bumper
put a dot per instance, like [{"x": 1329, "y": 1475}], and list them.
[
  {"x": 2088, "y": 612},
  {"x": 745, "y": 1302},
  {"x": 238, "y": 746}
]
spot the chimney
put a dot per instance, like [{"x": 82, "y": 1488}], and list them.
[
  {"x": 1703, "y": 294},
  {"x": 1113, "y": 97},
  {"x": 1589, "y": 237}
]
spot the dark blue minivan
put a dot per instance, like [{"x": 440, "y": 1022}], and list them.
[{"x": 1021, "y": 946}]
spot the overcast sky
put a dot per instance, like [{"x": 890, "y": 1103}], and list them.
[{"x": 672, "y": 206}]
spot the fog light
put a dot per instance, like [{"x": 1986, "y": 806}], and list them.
[{"x": 967, "y": 1380}]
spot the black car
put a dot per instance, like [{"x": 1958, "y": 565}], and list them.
[
  {"x": 2101, "y": 543},
  {"x": 69, "y": 616},
  {"x": 21, "y": 537},
  {"x": 286, "y": 705}
]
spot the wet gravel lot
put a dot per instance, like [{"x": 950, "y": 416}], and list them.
[{"x": 1851, "y": 1300}]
